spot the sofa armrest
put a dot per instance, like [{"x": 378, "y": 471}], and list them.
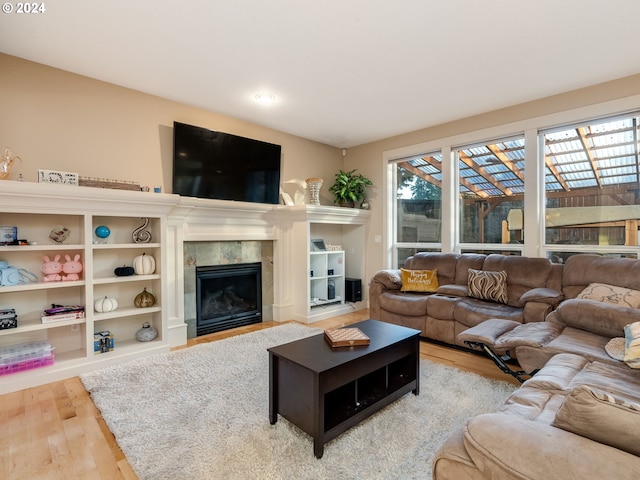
[
  {"x": 545, "y": 451},
  {"x": 601, "y": 318},
  {"x": 388, "y": 279},
  {"x": 542, "y": 295}
]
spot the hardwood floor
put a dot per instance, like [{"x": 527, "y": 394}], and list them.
[{"x": 55, "y": 432}]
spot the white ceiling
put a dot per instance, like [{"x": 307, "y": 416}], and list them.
[{"x": 345, "y": 72}]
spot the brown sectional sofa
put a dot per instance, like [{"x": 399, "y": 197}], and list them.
[
  {"x": 580, "y": 326},
  {"x": 483, "y": 448},
  {"x": 534, "y": 289},
  {"x": 579, "y": 415}
]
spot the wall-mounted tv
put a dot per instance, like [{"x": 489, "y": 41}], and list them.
[{"x": 216, "y": 165}]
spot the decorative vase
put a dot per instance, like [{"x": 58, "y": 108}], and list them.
[
  {"x": 141, "y": 234},
  {"x": 6, "y": 159},
  {"x": 365, "y": 205},
  {"x": 146, "y": 333},
  {"x": 144, "y": 299},
  {"x": 102, "y": 232},
  {"x": 313, "y": 186}
]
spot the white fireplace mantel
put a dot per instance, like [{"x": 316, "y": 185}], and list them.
[{"x": 201, "y": 220}]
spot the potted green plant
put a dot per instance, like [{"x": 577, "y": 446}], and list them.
[{"x": 349, "y": 188}]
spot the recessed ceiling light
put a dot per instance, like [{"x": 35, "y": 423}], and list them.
[{"x": 265, "y": 98}]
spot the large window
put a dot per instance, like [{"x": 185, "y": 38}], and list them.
[
  {"x": 592, "y": 187},
  {"x": 418, "y": 208},
  {"x": 581, "y": 193},
  {"x": 491, "y": 192}
]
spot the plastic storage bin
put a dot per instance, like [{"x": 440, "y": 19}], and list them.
[{"x": 18, "y": 358}]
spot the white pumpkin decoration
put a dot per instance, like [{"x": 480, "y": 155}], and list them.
[
  {"x": 144, "y": 264},
  {"x": 105, "y": 304}
]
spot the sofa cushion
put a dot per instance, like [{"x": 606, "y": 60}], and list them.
[
  {"x": 596, "y": 317},
  {"x": 445, "y": 263},
  {"x": 581, "y": 270},
  {"x": 470, "y": 312},
  {"x": 504, "y": 446},
  {"x": 419, "y": 280},
  {"x": 464, "y": 263},
  {"x": 523, "y": 274},
  {"x": 602, "y": 417},
  {"x": 580, "y": 342},
  {"x": 486, "y": 285},
  {"x": 409, "y": 304},
  {"x": 613, "y": 294}
]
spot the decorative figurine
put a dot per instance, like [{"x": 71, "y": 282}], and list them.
[
  {"x": 102, "y": 233},
  {"x": 59, "y": 233},
  {"x": 71, "y": 268},
  {"x": 140, "y": 235},
  {"x": 5, "y": 163},
  {"x": 52, "y": 269}
]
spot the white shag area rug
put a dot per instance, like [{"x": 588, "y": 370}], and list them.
[{"x": 203, "y": 413}]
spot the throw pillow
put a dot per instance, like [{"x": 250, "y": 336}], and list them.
[
  {"x": 419, "y": 280},
  {"x": 601, "y": 292},
  {"x": 632, "y": 345},
  {"x": 487, "y": 285},
  {"x": 615, "y": 348},
  {"x": 601, "y": 417}
]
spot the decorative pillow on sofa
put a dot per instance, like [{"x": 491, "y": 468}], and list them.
[
  {"x": 601, "y": 417},
  {"x": 419, "y": 280},
  {"x": 488, "y": 285},
  {"x": 601, "y": 292},
  {"x": 632, "y": 345}
]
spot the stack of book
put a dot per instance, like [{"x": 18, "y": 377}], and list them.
[{"x": 58, "y": 313}]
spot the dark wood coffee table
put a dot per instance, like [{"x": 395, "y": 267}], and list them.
[{"x": 325, "y": 391}]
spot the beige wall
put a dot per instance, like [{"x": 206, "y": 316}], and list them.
[
  {"x": 59, "y": 120},
  {"x": 608, "y": 98}
]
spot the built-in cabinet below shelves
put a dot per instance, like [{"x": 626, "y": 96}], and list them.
[{"x": 38, "y": 209}]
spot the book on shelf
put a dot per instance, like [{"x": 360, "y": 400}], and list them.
[
  {"x": 346, "y": 337},
  {"x": 62, "y": 316}
]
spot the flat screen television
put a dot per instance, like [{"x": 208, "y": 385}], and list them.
[{"x": 216, "y": 165}]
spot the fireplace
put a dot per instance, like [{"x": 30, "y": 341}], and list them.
[{"x": 228, "y": 296}]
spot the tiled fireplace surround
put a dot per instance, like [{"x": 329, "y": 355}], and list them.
[{"x": 226, "y": 253}]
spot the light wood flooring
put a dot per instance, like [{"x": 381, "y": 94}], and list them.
[{"x": 55, "y": 432}]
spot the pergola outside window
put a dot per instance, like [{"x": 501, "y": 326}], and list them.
[
  {"x": 592, "y": 185},
  {"x": 583, "y": 182}
]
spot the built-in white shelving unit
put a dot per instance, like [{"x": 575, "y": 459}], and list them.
[{"x": 36, "y": 210}]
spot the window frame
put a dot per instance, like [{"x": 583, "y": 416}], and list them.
[{"x": 534, "y": 194}]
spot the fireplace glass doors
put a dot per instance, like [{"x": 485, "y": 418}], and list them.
[{"x": 228, "y": 296}]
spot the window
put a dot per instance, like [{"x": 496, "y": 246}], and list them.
[
  {"x": 468, "y": 194},
  {"x": 592, "y": 187},
  {"x": 418, "y": 212},
  {"x": 491, "y": 192}
]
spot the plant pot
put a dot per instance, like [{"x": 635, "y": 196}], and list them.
[{"x": 347, "y": 203}]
